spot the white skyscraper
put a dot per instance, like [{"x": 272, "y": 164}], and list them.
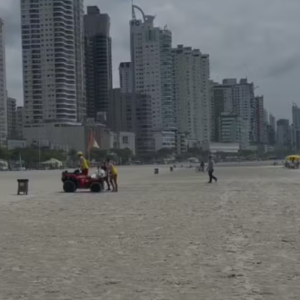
[
  {"x": 125, "y": 77},
  {"x": 243, "y": 101},
  {"x": 151, "y": 65},
  {"x": 53, "y": 61},
  {"x": 192, "y": 95},
  {"x": 3, "y": 92},
  {"x": 236, "y": 98}
]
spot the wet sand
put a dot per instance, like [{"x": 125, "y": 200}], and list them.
[{"x": 164, "y": 237}]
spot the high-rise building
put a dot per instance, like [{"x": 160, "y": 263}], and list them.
[
  {"x": 132, "y": 113},
  {"x": 232, "y": 129},
  {"x": 11, "y": 118},
  {"x": 98, "y": 61},
  {"x": 236, "y": 98},
  {"x": 272, "y": 121},
  {"x": 151, "y": 65},
  {"x": 271, "y": 130},
  {"x": 283, "y": 134},
  {"x": 3, "y": 92},
  {"x": 191, "y": 94},
  {"x": 295, "y": 127},
  {"x": 296, "y": 116},
  {"x": 125, "y": 77},
  {"x": 53, "y": 61},
  {"x": 243, "y": 101},
  {"x": 117, "y": 114},
  {"x": 19, "y": 122},
  {"x": 221, "y": 102},
  {"x": 259, "y": 120}
]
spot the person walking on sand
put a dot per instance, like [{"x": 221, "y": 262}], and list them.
[
  {"x": 113, "y": 175},
  {"x": 210, "y": 170}
]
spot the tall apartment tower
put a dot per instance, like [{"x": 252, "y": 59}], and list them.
[
  {"x": 272, "y": 130},
  {"x": 295, "y": 127},
  {"x": 272, "y": 121},
  {"x": 11, "y": 118},
  {"x": 53, "y": 61},
  {"x": 125, "y": 77},
  {"x": 283, "y": 134},
  {"x": 236, "y": 98},
  {"x": 3, "y": 92},
  {"x": 221, "y": 102},
  {"x": 151, "y": 65},
  {"x": 192, "y": 95},
  {"x": 243, "y": 105},
  {"x": 98, "y": 61},
  {"x": 19, "y": 122},
  {"x": 259, "y": 120}
]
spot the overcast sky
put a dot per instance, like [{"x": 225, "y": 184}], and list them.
[{"x": 258, "y": 39}]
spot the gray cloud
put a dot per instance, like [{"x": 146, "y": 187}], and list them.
[
  {"x": 243, "y": 38},
  {"x": 284, "y": 67}
]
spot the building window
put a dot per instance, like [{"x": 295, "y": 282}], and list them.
[{"x": 125, "y": 140}]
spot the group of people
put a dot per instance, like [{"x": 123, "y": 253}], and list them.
[{"x": 107, "y": 171}]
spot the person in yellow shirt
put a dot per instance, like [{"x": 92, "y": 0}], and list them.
[
  {"x": 83, "y": 164},
  {"x": 113, "y": 175}
]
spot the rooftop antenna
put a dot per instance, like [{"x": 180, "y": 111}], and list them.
[{"x": 133, "y": 12}]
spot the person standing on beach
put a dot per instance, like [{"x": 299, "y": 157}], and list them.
[
  {"x": 113, "y": 175},
  {"x": 106, "y": 179},
  {"x": 83, "y": 164},
  {"x": 210, "y": 170}
]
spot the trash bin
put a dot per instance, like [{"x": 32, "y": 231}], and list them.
[
  {"x": 156, "y": 171},
  {"x": 23, "y": 186}
]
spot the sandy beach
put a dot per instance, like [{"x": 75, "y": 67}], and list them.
[{"x": 170, "y": 236}]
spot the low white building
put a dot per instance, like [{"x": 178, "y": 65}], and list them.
[
  {"x": 123, "y": 140},
  {"x": 224, "y": 147},
  {"x": 16, "y": 144},
  {"x": 56, "y": 136},
  {"x": 76, "y": 137},
  {"x": 164, "y": 139}
]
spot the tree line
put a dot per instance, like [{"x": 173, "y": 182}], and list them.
[{"x": 32, "y": 156}]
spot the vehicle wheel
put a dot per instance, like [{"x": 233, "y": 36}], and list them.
[
  {"x": 69, "y": 186},
  {"x": 96, "y": 187}
]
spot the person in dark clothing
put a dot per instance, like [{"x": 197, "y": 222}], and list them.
[
  {"x": 106, "y": 179},
  {"x": 210, "y": 170},
  {"x": 202, "y": 166}
]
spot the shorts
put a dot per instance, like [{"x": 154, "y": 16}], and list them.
[{"x": 114, "y": 176}]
